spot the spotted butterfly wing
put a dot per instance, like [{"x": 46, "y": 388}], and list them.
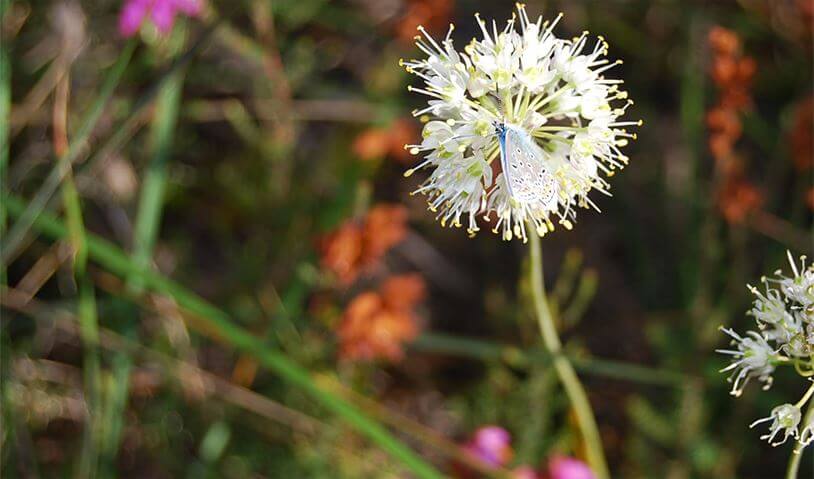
[{"x": 524, "y": 167}]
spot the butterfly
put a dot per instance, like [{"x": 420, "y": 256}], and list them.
[{"x": 528, "y": 178}]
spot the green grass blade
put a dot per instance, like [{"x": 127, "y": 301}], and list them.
[
  {"x": 147, "y": 224},
  {"x": 13, "y": 241},
  {"x": 154, "y": 185},
  {"x": 5, "y": 123},
  {"x": 17, "y": 233},
  {"x": 76, "y": 226},
  {"x": 117, "y": 388},
  {"x": 89, "y": 331},
  {"x": 218, "y": 324}
]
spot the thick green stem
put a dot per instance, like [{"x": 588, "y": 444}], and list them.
[
  {"x": 797, "y": 453},
  {"x": 565, "y": 371}
]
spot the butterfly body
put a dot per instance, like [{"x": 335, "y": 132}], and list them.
[{"x": 528, "y": 178}]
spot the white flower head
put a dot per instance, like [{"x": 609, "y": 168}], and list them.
[
  {"x": 784, "y": 311},
  {"x": 799, "y": 288},
  {"x": 552, "y": 89},
  {"x": 752, "y": 359},
  {"x": 785, "y": 418}
]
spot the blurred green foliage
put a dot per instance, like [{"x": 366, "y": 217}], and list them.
[{"x": 228, "y": 151}]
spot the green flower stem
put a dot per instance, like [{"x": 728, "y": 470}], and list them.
[
  {"x": 218, "y": 324},
  {"x": 797, "y": 454},
  {"x": 565, "y": 371}
]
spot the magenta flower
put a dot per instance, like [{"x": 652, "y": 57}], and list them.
[
  {"x": 161, "y": 12},
  {"x": 562, "y": 467},
  {"x": 492, "y": 445}
]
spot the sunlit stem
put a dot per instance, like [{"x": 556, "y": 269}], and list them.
[
  {"x": 806, "y": 396},
  {"x": 797, "y": 453},
  {"x": 565, "y": 371},
  {"x": 798, "y": 366}
]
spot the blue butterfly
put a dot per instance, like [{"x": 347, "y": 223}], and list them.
[{"x": 527, "y": 176}]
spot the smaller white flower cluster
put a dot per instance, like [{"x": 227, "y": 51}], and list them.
[{"x": 784, "y": 313}]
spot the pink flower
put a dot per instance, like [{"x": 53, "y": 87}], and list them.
[
  {"x": 161, "y": 12},
  {"x": 524, "y": 472},
  {"x": 562, "y": 467},
  {"x": 492, "y": 445}
]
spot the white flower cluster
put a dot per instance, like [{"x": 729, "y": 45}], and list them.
[
  {"x": 784, "y": 313},
  {"x": 553, "y": 89}
]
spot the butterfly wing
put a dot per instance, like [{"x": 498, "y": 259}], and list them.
[{"x": 524, "y": 166}]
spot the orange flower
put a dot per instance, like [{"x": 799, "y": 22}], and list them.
[
  {"x": 342, "y": 252},
  {"x": 385, "y": 226},
  {"x": 720, "y": 146},
  {"x": 376, "y": 325},
  {"x": 354, "y": 247},
  {"x": 802, "y": 142},
  {"x": 737, "y": 199},
  {"x": 403, "y": 292},
  {"x": 724, "y": 70},
  {"x": 432, "y": 14},
  {"x": 725, "y": 129},
  {"x": 723, "y": 41},
  {"x": 402, "y": 131},
  {"x": 376, "y": 143},
  {"x": 725, "y": 121},
  {"x": 732, "y": 73}
]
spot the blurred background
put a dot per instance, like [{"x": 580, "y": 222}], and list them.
[{"x": 235, "y": 249}]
